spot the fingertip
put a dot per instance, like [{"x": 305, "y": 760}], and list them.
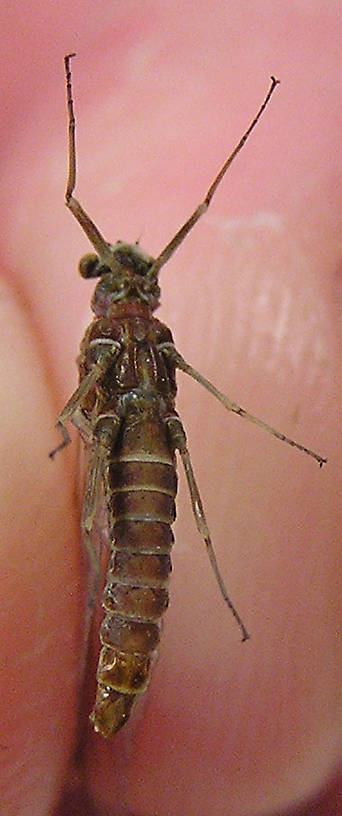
[{"x": 38, "y": 557}]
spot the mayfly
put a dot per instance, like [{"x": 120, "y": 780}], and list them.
[{"x": 124, "y": 409}]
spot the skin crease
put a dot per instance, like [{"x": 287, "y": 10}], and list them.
[{"x": 226, "y": 728}]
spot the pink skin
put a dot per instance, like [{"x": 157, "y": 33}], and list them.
[{"x": 251, "y": 298}]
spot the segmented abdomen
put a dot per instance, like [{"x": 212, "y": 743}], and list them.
[{"x": 141, "y": 487}]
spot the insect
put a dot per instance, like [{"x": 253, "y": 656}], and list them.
[{"x": 124, "y": 409}]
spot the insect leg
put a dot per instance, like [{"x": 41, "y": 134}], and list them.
[
  {"x": 105, "y": 359},
  {"x": 100, "y": 245},
  {"x": 171, "y": 352},
  {"x": 178, "y": 440},
  {"x": 103, "y": 437},
  {"x": 72, "y": 406}
]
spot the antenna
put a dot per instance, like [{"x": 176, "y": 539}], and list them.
[{"x": 202, "y": 208}]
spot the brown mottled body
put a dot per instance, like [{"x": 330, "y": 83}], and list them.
[
  {"x": 124, "y": 409},
  {"x": 140, "y": 485}
]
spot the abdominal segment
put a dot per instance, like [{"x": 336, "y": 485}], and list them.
[{"x": 140, "y": 491}]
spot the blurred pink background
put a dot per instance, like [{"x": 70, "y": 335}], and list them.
[{"x": 163, "y": 91}]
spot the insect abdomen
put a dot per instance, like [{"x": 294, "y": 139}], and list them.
[{"x": 141, "y": 489}]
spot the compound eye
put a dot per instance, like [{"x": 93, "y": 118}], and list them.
[{"x": 89, "y": 266}]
